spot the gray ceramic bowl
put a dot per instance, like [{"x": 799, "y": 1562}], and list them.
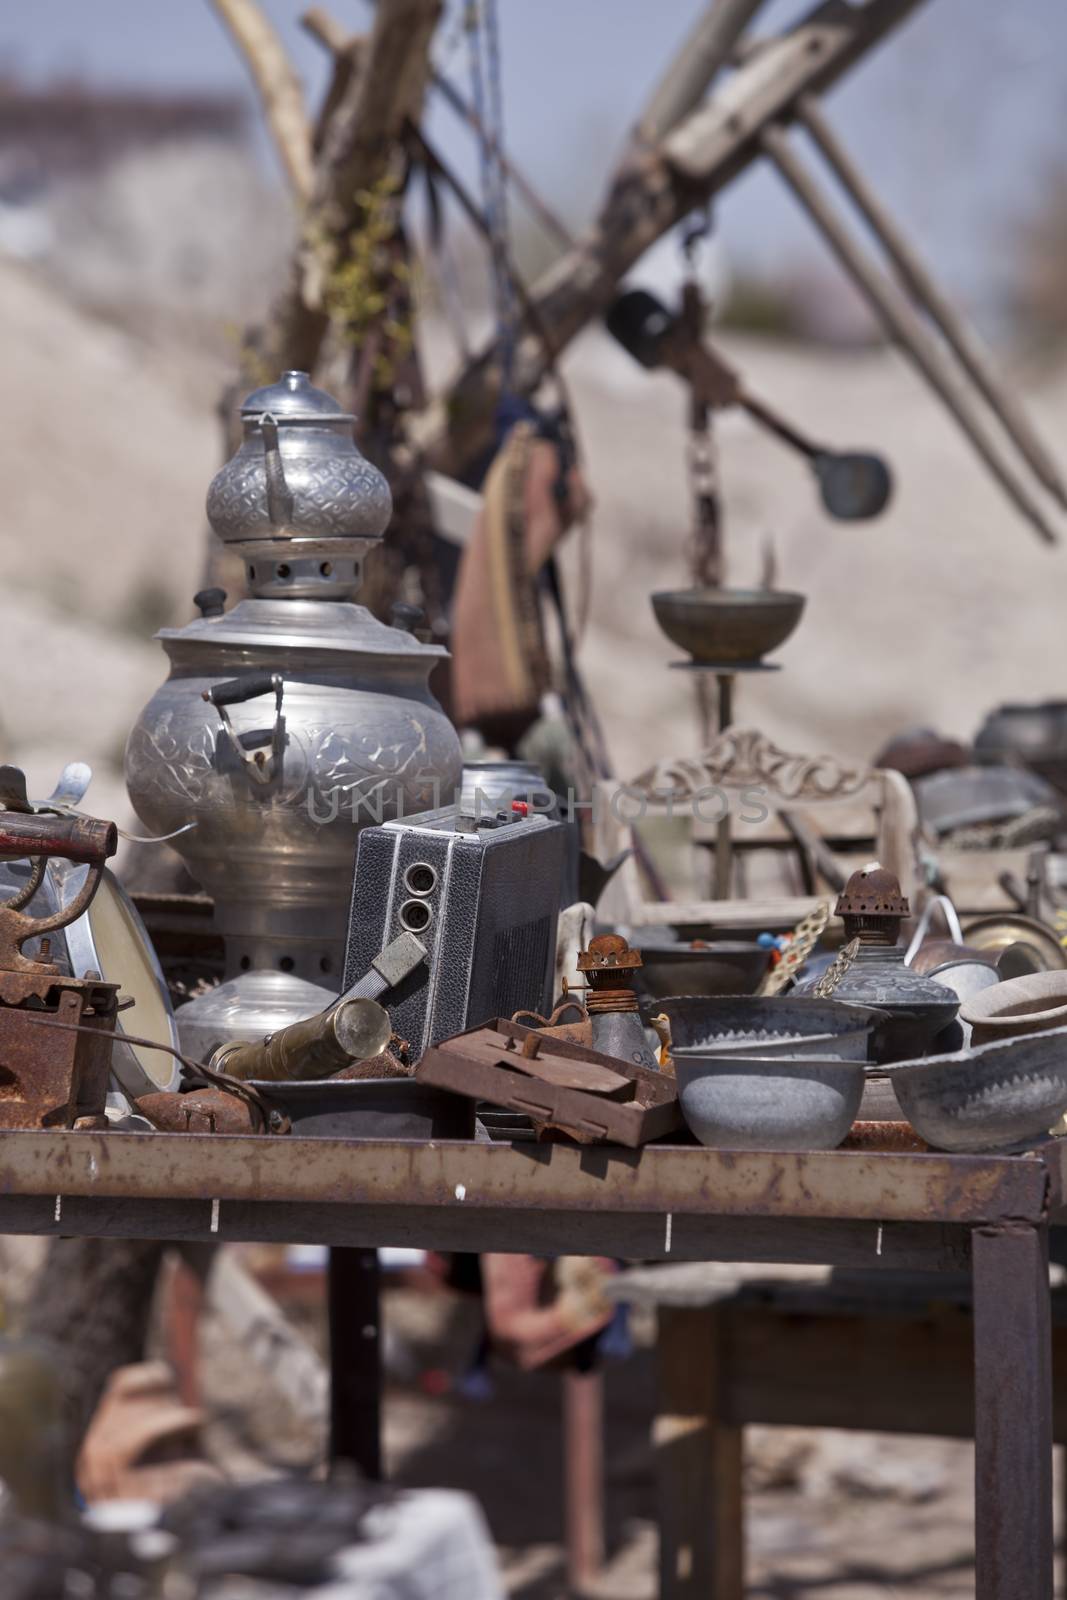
[
  {"x": 769, "y": 1103},
  {"x": 727, "y": 624},
  {"x": 991, "y": 1097},
  {"x": 756, "y": 1025}
]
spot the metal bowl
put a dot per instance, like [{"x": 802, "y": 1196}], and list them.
[
  {"x": 674, "y": 966},
  {"x": 1016, "y": 943},
  {"x": 767, "y": 1025},
  {"x": 769, "y": 1103},
  {"x": 727, "y": 625},
  {"x": 991, "y": 1097},
  {"x": 966, "y": 977},
  {"x": 1024, "y": 730},
  {"x": 369, "y": 1108},
  {"x": 1035, "y": 1003}
]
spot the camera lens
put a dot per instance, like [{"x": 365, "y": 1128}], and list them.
[
  {"x": 421, "y": 878},
  {"x": 415, "y": 915}
]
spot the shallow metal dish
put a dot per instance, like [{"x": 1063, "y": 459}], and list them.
[
  {"x": 769, "y": 1103},
  {"x": 111, "y": 939},
  {"x": 1034, "y": 1003},
  {"x": 991, "y": 1097},
  {"x": 727, "y": 625},
  {"x": 675, "y": 966},
  {"x": 1016, "y": 943},
  {"x": 369, "y": 1108},
  {"x": 768, "y": 1025}
]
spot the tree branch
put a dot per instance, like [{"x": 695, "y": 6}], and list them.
[
  {"x": 357, "y": 146},
  {"x": 278, "y": 87}
]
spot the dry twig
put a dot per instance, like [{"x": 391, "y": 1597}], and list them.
[{"x": 278, "y": 87}]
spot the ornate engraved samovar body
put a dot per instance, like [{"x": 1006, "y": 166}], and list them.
[{"x": 290, "y": 721}]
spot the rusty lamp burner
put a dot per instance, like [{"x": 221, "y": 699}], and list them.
[
  {"x": 872, "y": 906},
  {"x": 871, "y": 969},
  {"x": 610, "y": 967},
  {"x": 56, "y": 1032}
]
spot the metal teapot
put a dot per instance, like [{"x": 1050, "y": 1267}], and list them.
[{"x": 298, "y": 498}]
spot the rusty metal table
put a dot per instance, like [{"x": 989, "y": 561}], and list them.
[{"x": 928, "y": 1213}]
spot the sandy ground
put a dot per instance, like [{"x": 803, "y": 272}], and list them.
[{"x": 829, "y": 1515}]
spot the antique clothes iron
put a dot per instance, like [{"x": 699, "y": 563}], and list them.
[
  {"x": 56, "y": 1030},
  {"x": 289, "y": 722}
]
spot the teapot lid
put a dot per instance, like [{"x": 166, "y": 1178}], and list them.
[{"x": 294, "y": 398}]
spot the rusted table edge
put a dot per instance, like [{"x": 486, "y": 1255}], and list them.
[{"x": 856, "y": 1185}]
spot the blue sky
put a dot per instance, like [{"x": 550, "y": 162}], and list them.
[{"x": 955, "y": 118}]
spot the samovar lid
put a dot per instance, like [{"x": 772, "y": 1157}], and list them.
[
  {"x": 294, "y": 398},
  {"x": 277, "y": 626}
]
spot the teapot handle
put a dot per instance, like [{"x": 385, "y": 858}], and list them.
[{"x": 279, "y": 496}]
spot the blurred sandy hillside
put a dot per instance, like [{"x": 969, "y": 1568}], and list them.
[{"x": 116, "y": 345}]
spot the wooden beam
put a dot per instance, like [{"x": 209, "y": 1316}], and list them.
[
  {"x": 903, "y": 324},
  {"x": 917, "y": 281},
  {"x": 707, "y": 48},
  {"x": 647, "y": 198}
]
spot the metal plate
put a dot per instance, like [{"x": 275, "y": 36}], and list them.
[{"x": 111, "y": 939}]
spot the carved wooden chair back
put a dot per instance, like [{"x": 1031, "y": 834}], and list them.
[{"x": 744, "y": 775}]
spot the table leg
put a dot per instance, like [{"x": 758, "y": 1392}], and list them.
[
  {"x": 355, "y": 1359},
  {"x": 583, "y": 1476},
  {"x": 1013, "y": 1413},
  {"x": 698, "y": 1464}
]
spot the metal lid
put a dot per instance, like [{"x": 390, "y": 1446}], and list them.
[
  {"x": 874, "y": 891},
  {"x": 294, "y": 398},
  {"x": 334, "y": 626}
]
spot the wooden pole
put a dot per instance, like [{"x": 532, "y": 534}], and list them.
[
  {"x": 583, "y": 1477},
  {"x": 646, "y": 198},
  {"x": 917, "y": 281},
  {"x": 707, "y": 49},
  {"x": 903, "y": 324}
]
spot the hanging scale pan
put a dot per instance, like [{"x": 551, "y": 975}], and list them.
[{"x": 853, "y": 486}]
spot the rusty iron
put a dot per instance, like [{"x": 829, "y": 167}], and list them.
[
  {"x": 690, "y": 1180},
  {"x": 611, "y": 968},
  {"x": 52, "y": 1077},
  {"x": 199, "y": 1111},
  {"x": 540, "y": 1076},
  {"x": 874, "y": 894},
  {"x": 610, "y": 964},
  {"x": 56, "y": 1032},
  {"x": 80, "y": 839}
]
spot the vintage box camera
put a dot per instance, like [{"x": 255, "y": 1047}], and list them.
[{"x": 482, "y": 893}]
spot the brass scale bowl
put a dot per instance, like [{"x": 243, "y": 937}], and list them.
[{"x": 728, "y": 628}]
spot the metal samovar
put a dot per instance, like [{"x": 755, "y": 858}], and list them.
[{"x": 290, "y": 721}]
